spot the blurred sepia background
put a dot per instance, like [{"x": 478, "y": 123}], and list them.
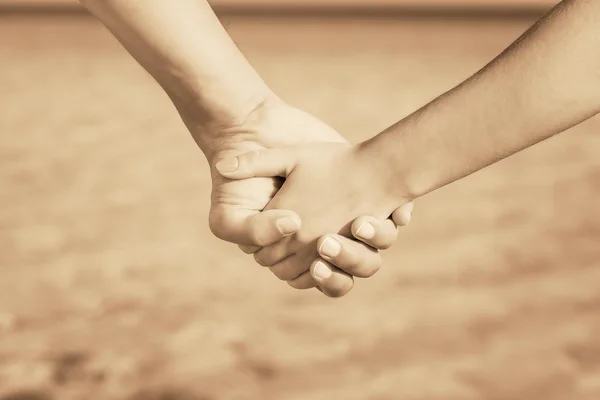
[{"x": 113, "y": 287}]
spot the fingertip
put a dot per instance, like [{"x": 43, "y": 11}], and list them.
[
  {"x": 320, "y": 241},
  {"x": 364, "y": 228},
  {"x": 321, "y": 271},
  {"x": 403, "y": 215},
  {"x": 288, "y": 224},
  {"x": 329, "y": 246},
  {"x": 332, "y": 282},
  {"x": 386, "y": 236},
  {"x": 272, "y": 226},
  {"x": 227, "y": 166},
  {"x": 373, "y": 232},
  {"x": 230, "y": 224}
]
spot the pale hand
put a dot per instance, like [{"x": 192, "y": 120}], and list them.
[{"x": 328, "y": 185}]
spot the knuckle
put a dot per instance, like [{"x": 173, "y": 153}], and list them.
[
  {"x": 257, "y": 234},
  {"x": 217, "y": 224},
  {"x": 253, "y": 157},
  {"x": 258, "y": 239}
]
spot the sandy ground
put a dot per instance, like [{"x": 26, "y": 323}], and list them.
[{"x": 112, "y": 286}]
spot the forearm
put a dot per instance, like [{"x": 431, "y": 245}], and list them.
[
  {"x": 185, "y": 48},
  {"x": 546, "y": 82}
]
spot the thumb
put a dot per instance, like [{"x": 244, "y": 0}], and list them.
[
  {"x": 260, "y": 163},
  {"x": 252, "y": 228}
]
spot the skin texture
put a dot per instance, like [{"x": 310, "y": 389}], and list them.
[
  {"x": 229, "y": 111},
  {"x": 494, "y": 287},
  {"x": 319, "y": 170},
  {"x": 231, "y": 204},
  {"x": 546, "y": 82}
]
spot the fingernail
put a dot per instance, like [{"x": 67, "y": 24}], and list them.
[
  {"x": 366, "y": 231},
  {"x": 287, "y": 225},
  {"x": 227, "y": 165},
  {"x": 321, "y": 271},
  {"x": 330, "y": 247}
]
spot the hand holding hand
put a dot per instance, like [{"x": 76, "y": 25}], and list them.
[{"x": 328, "y": 185}]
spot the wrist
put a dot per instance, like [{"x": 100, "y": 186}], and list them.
[
  {"x": 376, "y": 156},
  {"x": 396, "y": 162},
  {"x": 214, "y": 120},
  {"x": 216, "y": 102}
]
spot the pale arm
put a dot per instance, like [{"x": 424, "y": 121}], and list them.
[
  {"x": 545, "y": 83},
  {"x": 229, "y": 110},
  {"x": 185, "y": 48}
]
